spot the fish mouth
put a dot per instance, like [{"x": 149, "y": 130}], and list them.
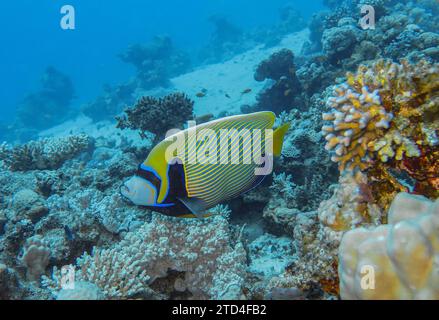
[{"x": 123, "y": 192}]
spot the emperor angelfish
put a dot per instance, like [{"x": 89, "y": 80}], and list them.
[{"x": 197, "y": 168}]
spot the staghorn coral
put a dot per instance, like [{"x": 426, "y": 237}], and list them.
[
  {"x": 401, "y": 258},
  {"x": 157, "y": 115},
  {"x": 386, "y": 116},
  {"x": 202, "y": 250},
  {"x": 49, "y": 153}
]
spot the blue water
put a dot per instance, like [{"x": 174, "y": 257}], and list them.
[{"x": 32, "y": 38}]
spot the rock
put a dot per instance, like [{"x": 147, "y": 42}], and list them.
[{"x": 27, "y": 204}]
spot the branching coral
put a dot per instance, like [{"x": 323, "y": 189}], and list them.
[
  {"x": 395, "y": 261},
  {"x": 43, "y": 154},
  {"x": 202, "y": 250},
  {"x": 387, "y": 116},
  {"x": 157, "y": 115}
]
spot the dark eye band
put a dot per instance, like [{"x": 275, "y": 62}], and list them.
[{"x": 149, "y": 176}]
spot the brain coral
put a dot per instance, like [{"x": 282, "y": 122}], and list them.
[
  {"x": 403, "y": 255},
  {"x": 387, "y": 115}
]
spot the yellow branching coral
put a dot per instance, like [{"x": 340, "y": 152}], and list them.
[
  {"x": 395, "y": 261},
  {"x": 387, "y": 113},
  {"x": 358, "y": 119}
]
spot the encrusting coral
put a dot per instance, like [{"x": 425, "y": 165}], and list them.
[
  {"x": 351, "y": 205},
  {"x": 399, "y": 260},
  {"x": 384, "y": 117},
  {"x": 43, "y": 154}
]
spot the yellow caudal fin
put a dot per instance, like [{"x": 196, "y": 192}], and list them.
[{"x": 278, "y": 138}]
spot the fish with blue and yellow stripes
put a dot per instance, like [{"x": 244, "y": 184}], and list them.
[{"x": 197, "y": 168}]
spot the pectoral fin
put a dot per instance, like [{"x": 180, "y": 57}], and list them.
[{"x": 195, "y": 205}]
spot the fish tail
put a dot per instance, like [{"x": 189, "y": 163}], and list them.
[{"x": 278, "y": 138}]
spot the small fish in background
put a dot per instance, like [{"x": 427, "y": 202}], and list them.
[
  {"x": 287, "y": 92},
  {"x": 200, "y": 94},
  {"x": 227, "y": 95},
  {"x": 245, "y": 91},
  {"x": 189, "y": 189},
  {"x": 203, "y": 118}
]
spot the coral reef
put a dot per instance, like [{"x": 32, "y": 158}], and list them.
[
  {"x": 394, "y": 261},
  {"x": 50, "y": 105},
  {"x": 304, "y": 233},
  {"x": 313, "y": 271},
  {"x": 110, "y": 102},
  {"x": 225, "y": 41},
  {"x": 351, "y": 205},
  {"x": 303, "y": 174},
  {"x": 42, "y": 154},
  {"x": 202, "y": 251},
  {"x": 71, "y": 207},
  {"x": 290, "y": 20},
  {"x": 156, "y": 62},
  {"x": 385, "y": 116},
  {"x": 35, "y": 257},
  {"x": 283, "y": 94},
  {"x": 338, "y": 44},
  {"x": 157, "y": 115},
  {"x": 269, "y": 255}
]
